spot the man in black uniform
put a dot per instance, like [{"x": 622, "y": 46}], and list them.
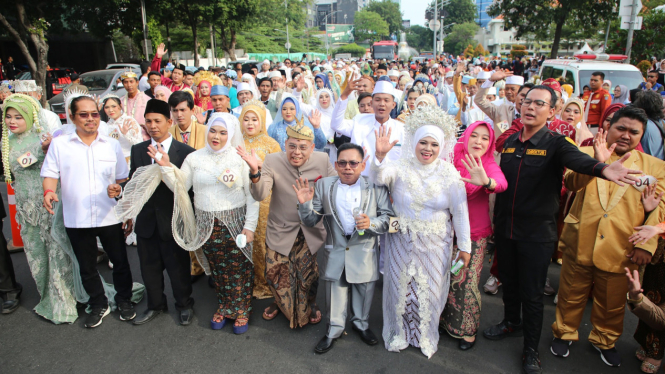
[{"x": 533, "y": 161}]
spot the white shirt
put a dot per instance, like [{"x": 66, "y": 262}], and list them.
[
  {"x": 361, "y": 131},
  {"x": 143, "y": 84},
  {"x": 348, "y": 197},
  {"x": 166, "y": 144},
  {"x": 85, "y": 172}
]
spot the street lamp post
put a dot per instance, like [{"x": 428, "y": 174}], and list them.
[
  {"x": 325, "y": 19},
  {"x": 288, "y": 44},
  {"x": 434, "y": 17}
]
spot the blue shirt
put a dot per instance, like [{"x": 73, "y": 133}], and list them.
[
  {"x": 652, "y": 141},
  {"x": 277, "y": 131},
  {"x": 658, "y": 87}
]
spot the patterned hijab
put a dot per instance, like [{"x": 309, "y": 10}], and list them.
[{"x": 28, "y": 108}]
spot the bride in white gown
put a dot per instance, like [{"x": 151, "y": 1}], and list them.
[{"x": 427, "y": 191}]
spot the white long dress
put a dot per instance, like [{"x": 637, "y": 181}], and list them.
[
  {"x": 417, "y": 268},
  {"x": 133, "y": 135}
]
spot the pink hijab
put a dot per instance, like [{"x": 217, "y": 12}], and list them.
[{"x": 462, "y": 149}]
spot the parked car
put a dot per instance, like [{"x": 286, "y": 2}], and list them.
[
  {"x": 577, "y": 72},
  {"x": 61, "y": 78},
  {"x": 98, "y": 82},
  {"x": 124, "y": 65}
]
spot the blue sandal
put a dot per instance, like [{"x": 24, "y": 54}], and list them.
[
  {"x": 217, "y": 325},
  {"x": 242, "y": 328}
]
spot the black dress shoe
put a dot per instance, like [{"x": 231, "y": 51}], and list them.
[
  {"x": 186, "y": 316},
  {"x": 147, "y": 316},
  {"x": 464, "y": 345},
  {"x": 196, "y": 277},
  {"x": 366, "y": 335},
  {"x": 12, "y": 302},
  {"x": 325, "y": 344},
  {"x": 531, "y": 362},
  {"x": 502, "y": 330}
]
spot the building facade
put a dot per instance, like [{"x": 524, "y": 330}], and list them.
[{"x": 481, "y": 12}]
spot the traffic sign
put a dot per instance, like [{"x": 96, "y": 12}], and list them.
[
  {"x": 625, "y": 23},
  {"x": 287, "y": 45},
  {"x": 434, "y": 25},
  {"x": 626, "y": 7}
]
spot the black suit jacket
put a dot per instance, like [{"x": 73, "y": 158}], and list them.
[{"x": 157, "y": 212}]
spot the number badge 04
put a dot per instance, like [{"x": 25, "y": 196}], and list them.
[
  {"x": 26, "y": 159},
  {"x": 228, "y": 177},
  {"x": 644, "y": 182}
]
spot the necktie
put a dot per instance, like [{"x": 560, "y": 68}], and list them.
[{"x": 185, "y": 137}]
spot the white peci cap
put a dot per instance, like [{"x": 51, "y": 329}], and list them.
[{"x": 515, "y": 79}]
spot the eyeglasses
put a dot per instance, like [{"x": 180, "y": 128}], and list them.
[
  {"x": 539, "y": 103},
  {"x": 303, "y": 148},
  {"x": 352, "y": 164},
  {"x": 85, "y": 115}
]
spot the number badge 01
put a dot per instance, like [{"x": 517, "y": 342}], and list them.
[
  {"x": 228, "y": 177},
  {"x": 26, "y": 159},
  {"x": 393, "y": 226}
]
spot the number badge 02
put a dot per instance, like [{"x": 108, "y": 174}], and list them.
[
  {"x": 26, "y": 159},
  {"x": 228, "y": 177}
]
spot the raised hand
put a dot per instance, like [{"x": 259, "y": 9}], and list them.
[
  {"x": 619, "y": 174},
  {"x": 499, "y": 75},
  {"x": 315, "y": 119},
  {"x": 477, "y": 174},
  {"x": 460, "y": 68},
  {"x": 649, "y": 198},
  {"x": 124, "y": 126},
  {"x": 383, "y": 144},
  {"x": 582, "y": 133},
  {"x": 353, "y": 85},
  {"x": 634, "y": 287},
  {"x": 252, "y": 160},
  {"x": 600, "y": 150},
  {"x": 159, "y": 155},
  {"x": 161, "y": 50},
  {"x": 304, "y": 192}
]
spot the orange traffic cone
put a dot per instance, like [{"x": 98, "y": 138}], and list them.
[{"x": 17, "y": 242}]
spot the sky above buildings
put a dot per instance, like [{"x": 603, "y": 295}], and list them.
[{"x": 414, "y": 10}]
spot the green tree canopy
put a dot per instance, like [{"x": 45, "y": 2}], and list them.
[
  {"x": 419, "y": 37},
  {"x": 647, "y": 42},
  {"x": 460, "y": 37},
  {"x": 536, "y": 16},
  {"x": 354, "y": 49},
  {"x": 456, "y": 11},
  {"x": 370, "y": 26},
  {"x": 389, "y": 11}
]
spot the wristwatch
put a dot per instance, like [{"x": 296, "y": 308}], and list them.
[
  {"x": 489, "y": 184},
  {"x": 253, "y": 176}
]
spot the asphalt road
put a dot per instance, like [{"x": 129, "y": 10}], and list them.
[{"x": 30, "y": 344}]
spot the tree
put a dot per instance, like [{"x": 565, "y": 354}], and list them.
[
  {"x": 419, "y": 37},
  {"x": 460, "y": 36},
  {"x": 534, "y": 16},
  {"x": 389, "y": 11},
  {"x": 518, "y": 51},
  {"x": 479, "y": 51},
  {"x": 370, "y": 26},
  {"x": 354, "y": 49},
  {"x": 456, "y": 11},
  {"x": 468, "y": 51},
  {"x": 647, "y": 42}
]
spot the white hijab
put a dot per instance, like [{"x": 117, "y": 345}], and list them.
[
  {"x": 432, "y": 131},
  {"x": 232, "y": 126}
]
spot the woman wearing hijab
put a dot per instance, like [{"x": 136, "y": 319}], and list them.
[
  {"x": 162, "y": 93},
  {"x": 573, "y": 113},
  {"x": 620, "y": 94},
  {"x": 427, "y": 190},
  {"x": 257, "y": 141},
  {"x": 324, "y": 103},
  {"x": 204, "y": 81},
  {"x": 220, "y": 227},
  {"x": 54, "y": 267},
  {"x": 474, "y": 159},
  {"x": 249, "y": 79},
  {"x": 289, "y": 113},
  {"x": 122, "y": 127}
]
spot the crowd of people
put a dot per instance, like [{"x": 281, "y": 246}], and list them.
[{"x": 411, "y": 172}]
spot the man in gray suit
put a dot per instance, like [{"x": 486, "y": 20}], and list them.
[{"x": 355, "y": 212}]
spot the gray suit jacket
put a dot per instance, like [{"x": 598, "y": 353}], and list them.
[{"x": 358, "y": 254}]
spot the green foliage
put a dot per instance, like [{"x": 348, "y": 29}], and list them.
[
  {"x": 518, "y": 51},
  {"x": 419, "y": 37},
  {"x": 537, "y": 16},
  {"x": 265, "y": 40},
  {"x": 457, "y": 11},
  {"x": 369, "y": 26},
  {"x": 647, "y": 42},
  {"x": 460, "y": 37},
  {"x": 390, "y": 13},
  {"x": 354, "y": 49}
]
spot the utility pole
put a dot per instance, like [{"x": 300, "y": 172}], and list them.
[
  {"x": 145, "y": 31},
  {"x": 633, "y": 18},
  {"x": 288, "y": 45},
  {"x": 436, "y": 15},
  {"x": 440, "y": 36},
  {"x": 212, "y": 45}
]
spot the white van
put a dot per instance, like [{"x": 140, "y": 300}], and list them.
[{"x": 577, "y": 72}]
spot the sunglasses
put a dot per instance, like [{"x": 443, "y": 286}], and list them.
[
  {"x": 85, "y": 115},
  {"x": 352, "y": 164}
]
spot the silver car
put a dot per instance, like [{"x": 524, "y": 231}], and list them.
[{"x": 99, "y": 83}]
